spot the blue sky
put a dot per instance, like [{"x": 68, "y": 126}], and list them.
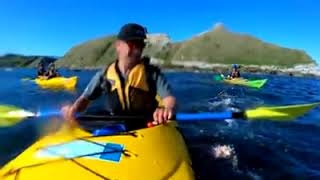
[{"x": 52, "y": 27}]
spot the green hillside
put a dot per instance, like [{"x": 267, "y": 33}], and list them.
[
  {"x": 94, "y": 53},
  {"x": 222, "y": 46},
  {"x": 218, "y": 46},
  {"x": 15, "y": 60}
]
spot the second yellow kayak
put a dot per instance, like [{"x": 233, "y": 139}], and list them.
[{"x": 57, "y": 82}]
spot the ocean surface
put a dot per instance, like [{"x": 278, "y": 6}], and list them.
[{"x": 252, "y": 149}]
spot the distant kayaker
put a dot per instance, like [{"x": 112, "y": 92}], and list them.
[
  {"x": 131, "y": 85},
  {"x": 40, "y": 69},
  {"x": 235, "y": 73},
  {"x": 52, "y": 71}
]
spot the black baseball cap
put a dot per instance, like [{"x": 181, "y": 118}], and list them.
[{"x": 132, "y": 31}]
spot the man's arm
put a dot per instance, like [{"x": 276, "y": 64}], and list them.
[
  {"x": 92, "y": 92},
  {"x": 80, "y": 104},
  {"x": 69, "y": 111},
  {"x": 163, "y": 114},
  {"x": 169, "y": 102}
]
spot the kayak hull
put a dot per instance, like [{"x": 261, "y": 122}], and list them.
[
  {"x": 152, "y": 153},
  {"x": 57, "y": 82}
]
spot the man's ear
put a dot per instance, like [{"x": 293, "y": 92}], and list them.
[{"x": 116, "y": 43}]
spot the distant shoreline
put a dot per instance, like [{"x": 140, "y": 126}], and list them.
[
  {"x": 307, "y": 70},
  {"x": 299, "y": 70}
]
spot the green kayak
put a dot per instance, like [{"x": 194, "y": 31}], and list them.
[
  {"x": 245, "y": 82},
  {"x": 257, "y": 83}
]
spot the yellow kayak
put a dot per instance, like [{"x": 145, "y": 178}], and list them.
[
  {"x": 151, "y": 153},
  {"x": 57, "y": 82}
]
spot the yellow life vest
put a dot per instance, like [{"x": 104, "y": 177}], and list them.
[{"x": 136, "y": 94}]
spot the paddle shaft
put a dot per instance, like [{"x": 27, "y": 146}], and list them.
[
  {"x": 10, "y": 115},
  {"x": 179, "y": 116},
  {"x": 209, "y": 116}
]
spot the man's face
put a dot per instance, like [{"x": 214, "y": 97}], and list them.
[{"x": 132, "y": 49}]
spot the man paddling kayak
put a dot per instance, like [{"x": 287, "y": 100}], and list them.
[{"x": 130, "y": 83}]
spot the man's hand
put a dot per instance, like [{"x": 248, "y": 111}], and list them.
[
  {"x": 162, "y": 115},
  {"x": 68, "y": 113}
]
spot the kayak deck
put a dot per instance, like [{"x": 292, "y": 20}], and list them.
[{"x": 151, "y": 153}]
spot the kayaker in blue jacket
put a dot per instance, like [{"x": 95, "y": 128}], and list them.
[
  {"x": 235, "y": 73},
  {"x": 131, "y": 84}
]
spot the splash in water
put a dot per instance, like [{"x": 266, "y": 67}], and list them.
[
  {"x": 226, "y": 152},
  {"x": 222, "y": 151}
]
